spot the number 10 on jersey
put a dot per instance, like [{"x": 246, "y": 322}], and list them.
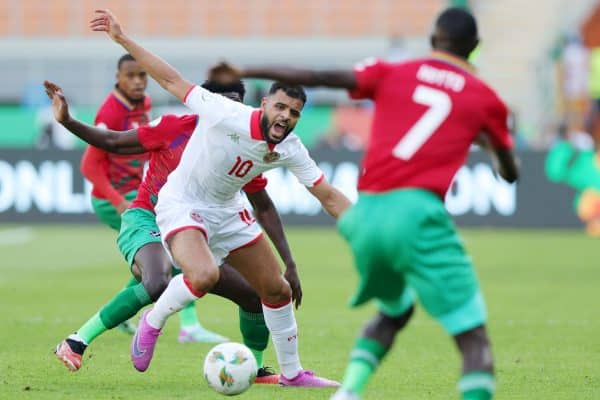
[{"x": 241, "y": 168}]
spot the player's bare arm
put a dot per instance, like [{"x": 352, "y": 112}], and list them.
[
  {"x": 269, "y": 219},
  {"x": 342, "y": 79},
  {"x": 166, "y": 76},
  {"x": 507, "y": 164},
  {"x": 504, "y": 160},
  {"x": 109, "y": 140},
  {"x": 332, "y": 200}
]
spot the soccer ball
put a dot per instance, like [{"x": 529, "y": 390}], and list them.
[{"x": 230, "y": 368}]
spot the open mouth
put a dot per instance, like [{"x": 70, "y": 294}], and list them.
[{"x": 278, "y": 130}]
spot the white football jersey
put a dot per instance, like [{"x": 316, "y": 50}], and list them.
[{"x": 227, "y": 150}]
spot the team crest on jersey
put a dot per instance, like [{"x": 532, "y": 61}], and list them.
[
  {"x": 271, "y": 157},
  {"x": 195, "y": 215}
]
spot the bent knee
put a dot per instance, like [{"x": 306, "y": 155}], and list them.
[
  {"x": 156, "y": 285},
  {"x": 203, "y": 279},
  {"x": 251, "y": 303},
  {"x": 276, "y": 291},
  {"x": 386, "y": 323}
]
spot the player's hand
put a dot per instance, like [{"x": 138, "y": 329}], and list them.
[
  {"x": 105, "y": 21},
  {"x": 122, "y": 206},
  {"x": 225, "y": 73},
  {"x": 291, "y": 275},
  {"x": 59, "y": 103}
]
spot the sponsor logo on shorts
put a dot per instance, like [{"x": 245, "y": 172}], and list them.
[
  {"x": 195, "y": 215},
  {"x": 155, "y": 234}
]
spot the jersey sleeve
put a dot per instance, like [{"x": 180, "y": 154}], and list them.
[
  {"x": 211, "y": 107},
  {"x": 496, "y": 124},
  {"x": 94, "y": 167},
  {"x": 368, "y": 73},
  {"x": 304, "y": 167},
  {"x": 255, "y": 185},
  {"x": 160, "y": 132}
]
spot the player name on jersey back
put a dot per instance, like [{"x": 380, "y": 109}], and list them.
[{"x": 441, "y": 77}]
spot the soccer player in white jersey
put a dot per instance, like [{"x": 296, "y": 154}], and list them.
[{"x": 200, "y": 211}]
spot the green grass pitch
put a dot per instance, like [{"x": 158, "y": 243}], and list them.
[{"x": 542, "y": 290}]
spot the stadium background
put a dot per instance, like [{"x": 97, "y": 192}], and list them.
[{"x": 523, "y": 55}]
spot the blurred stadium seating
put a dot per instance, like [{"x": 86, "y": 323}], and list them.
[
  {"x": 520, "y": 56},
  {"x": 238, "y": 18},
  {"x": 336, "y": 32},
  {"x": 517, "y": 38}
]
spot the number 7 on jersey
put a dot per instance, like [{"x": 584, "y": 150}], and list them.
[{"x": 440, "y": 105}]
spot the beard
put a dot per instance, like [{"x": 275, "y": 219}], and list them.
[{"x": 265, "y": 126}]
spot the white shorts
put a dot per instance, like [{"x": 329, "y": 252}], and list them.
[{"x": 225, "y": 228}]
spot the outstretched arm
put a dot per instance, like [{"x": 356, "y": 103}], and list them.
[
  {"x": 332, "y": 200},
  {"x": 166, "y": 76},
  {"x": 109, "y": 140},
  {"x": 341, "y": 79},
  {"x": 269, "y": 219}
]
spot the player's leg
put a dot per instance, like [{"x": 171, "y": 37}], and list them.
[
  {"x": 381, "y": 277},
  {"x": 108, "y": 214},
  {"x": 257, "y": 263},
  {"x": 191, "y": 253},
  {"x": 255, "y": 334},
  {"x": 132, "y": 297},
  {"x": 443, "y": 276},
  {"x": 140, "y": 238},
  {"x": 477, "y": 381},
  {"x": 374, "y": 343},
  {"x": 128, "y": 326},
  {"x": 119, "y": 309},
  {"x": 156, "y": 272}
]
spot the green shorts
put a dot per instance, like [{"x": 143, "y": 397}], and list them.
[
  {"x": 138, "y": 228},
  {"x": 107, "y": 213},
  {"x": 405, "y": 246}
]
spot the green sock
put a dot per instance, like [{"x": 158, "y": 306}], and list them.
[
  {"x": 255, "y": 334},
  {"x": 364, "y": 359},
  {"x": 91, "y": 329},
  {"x": 477, "y": 385},
  {"x": 188, "y": 316},
  {"x": 124, "y": 305},
  {"x": 120, "y": 308},
  {"x": 132, "y": 282}
]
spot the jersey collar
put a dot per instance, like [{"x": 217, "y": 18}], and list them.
[
  {"x": 255, "y": 131},
  {"x": 453, "y": 60}
]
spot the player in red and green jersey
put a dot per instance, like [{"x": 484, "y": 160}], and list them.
[
  {"x": 116, "y": 178},
  {"x": 428, "y": 112},
  {"x": 139, "y": 239}
]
